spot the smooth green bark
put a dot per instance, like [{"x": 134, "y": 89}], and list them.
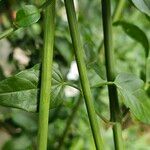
[
  {"x": 79, "y": 54},
  {"x": 46, "y": 75},
  {"x": 116, "y": 15},
  {"x": 115, "y": 112}
]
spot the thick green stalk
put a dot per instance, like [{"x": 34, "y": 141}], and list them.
[
  {"x": 69, "y": 121},
  {"x": 116, "y": 15},
  {"x": 79, "y": 54},
  {"x": 115, "y": 111},
  {"x": 46, "y": 75}
]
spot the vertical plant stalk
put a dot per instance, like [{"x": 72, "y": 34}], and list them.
[
  {"x": 116, "y": 15},
  {"x": 46, "y": 75},
  {"x": 69, "y": 121},
  {"x": 115, "y": 112},
  {"x": 79, "y": 54},
  {"x": 118, "y": 10}
]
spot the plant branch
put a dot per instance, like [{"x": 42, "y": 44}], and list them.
[
  {"x": 115, "y": 112},
  {"x": 102, "y": 84},
  {"x": 116, "y": 15},
  {"x": 46, "y": 75},
  {"x": 79, "y": 54},
  {"x": 118, "y": 10},
  {"x": 7, "y": 33}
]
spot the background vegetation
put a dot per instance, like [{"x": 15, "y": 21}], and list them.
[{"x": 22, "y": 50}]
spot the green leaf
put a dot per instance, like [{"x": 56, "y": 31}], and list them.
[
  {"x": 95, "y": 79},
  {"x": 91, "y": 55},
  {"x": 143, "y": 6},
  {"x": 139, "y": 104},
  {"x": 27, "y": 16},
  {"x": 134, "y": 97},
  {"x": 98, "y": 68},
  {"x": 24, "y": 120},
  {"x": 21, "y": 90},
  {"x": 128, "y": 81},
  {"x": 93, "y": 62},
  {"x": 136, "y": 33},
  {"x": 64, "y": 48}
]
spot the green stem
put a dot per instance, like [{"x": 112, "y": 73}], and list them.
[
  {"x": 115, "y": 112},
  {"x": 102, "y": 84},
  {"x": 79, "y": 54},
  {"x": 7, "y": 33},
  {"x": 69, "y": 121},
  {"x": 118, "y": 10},
  {"x": 116, "y": 15},
  {"x": 46, "y": 75}
]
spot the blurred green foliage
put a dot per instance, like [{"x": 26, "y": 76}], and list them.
[{"x": 21, "y": 127}]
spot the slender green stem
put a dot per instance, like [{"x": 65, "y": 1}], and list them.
[
  {"x": 7, "y": 33},
  {"x": 102, "y": 84},
  {"x": 116, "y": 15},
  {"x": 46, "y": 75},
  {"x": 118, "y": 10},
  {"x": 69, "y": 121},
  {"x": 115, "y": 111},
  {"x": 79, "y": 54}
]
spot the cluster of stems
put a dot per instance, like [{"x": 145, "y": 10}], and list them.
[
  {"x": 46, "y": 72},
  {"x": 115, "y": 112},
  {"x": 46, "y": 75},
  {"x": 79, "y": 55}
]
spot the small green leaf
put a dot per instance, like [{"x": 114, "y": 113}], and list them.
[
  {"x": 143, "y": 6},
  {"x": 91, "y": 55},
  {"x": 27, "y": 16},
  {"x": 24, "y": 120},
  {"x": 134, "y": 97},
  {"x": 21, "y": 90},
  {"x": 64, "y": 48},
  {"x": 95, "y": 79},
  {"x": 99, "y": 69},
  {"x": 139, "y": 104},
  {"x": 136, "y": 33},
  {"x": 129, "y": 82},
  {"x": 92, "y": 61}
]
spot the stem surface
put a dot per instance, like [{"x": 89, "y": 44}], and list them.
[
  {"x": 118, "y": 10},
  {"x": 46, "y": 75},
  {"x": 6, "y": 33},
  {"x": 115, "y": 112},
  {"x": 79, "y": 54},
  {"x": 116, "y": 15}
]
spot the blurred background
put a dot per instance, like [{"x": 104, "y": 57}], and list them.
[{"x": 22, "y": 50}]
